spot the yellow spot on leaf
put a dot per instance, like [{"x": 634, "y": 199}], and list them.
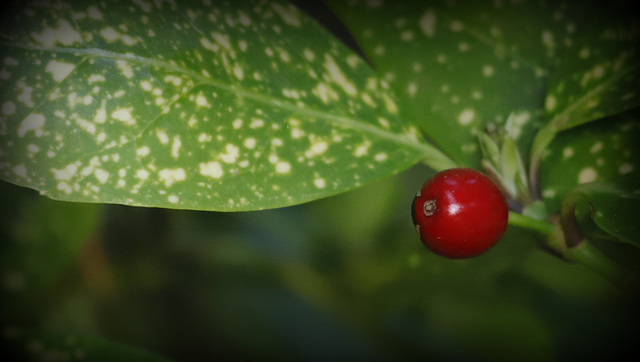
[
  {"x": 547, "y": 39},
  {"x": 175, "y": 147},
  {"x": 389, "y": 104},
  {"x": 93, "y": 78},
  {"x": 20, "y": 170},
  {"x": 125, "y": 68},
  {"x": 488, "y": 71},
  {"x": 625, "y": 168},
  {"x": 142, "y": 174},
  {"x": 222, "y": 40},
  {"x": 59, "y": 70},
  {"x": 289, "y": 14},
  {"x": 101, "y": 175},
  {"x": 171, "y": 176},
  {"x": 64, "y": 34},
  {"x": 66, "y": 173},
  {"x": 309, "y": 54},
  {"x": 428, "y": 23},
  {"x": 550, "y": 102},
  {"x": 231, "y": 155},
  {"x": 567, "y": 152},
  {"x": 317, "y": 148},
  {"x": 211, "y": 169},
  {"x": 33, "y": 122},
  {"x": 201, "y": 100},
  {"x": 362, "y": 149},
  {"x": 8, "y": 108},
  {"x": 337, "y": 76},
  {"x": 94, "y": 13},
  {"x": 238, "y": 72},
  {"x": 163, "y": 137},
  {"x": 144, "y": 5},
  {"x": 466, "y": 116},
  {"x": 250, "y": 143},
  {"x": 283, "y": 167},
  {"x": 143, "y": 151},
  {"x": 587, "y": 174},
  {"x": 256, "y": 123},
  {"x": 124, "y": 115},
  {"x": 381, "y": 157},
  {"x": 456, "y": 26}
]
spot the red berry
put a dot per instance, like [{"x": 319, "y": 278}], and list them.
[{"x": 460, "y": 213}]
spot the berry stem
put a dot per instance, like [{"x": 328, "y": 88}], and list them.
[
  {"x": 582, "y": 253},
  {"x": 591, "y": 258},
  {"x": 527, "y": 222}
]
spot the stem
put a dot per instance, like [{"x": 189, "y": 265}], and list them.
[
  {"x": 590, "y": 257},
  {"x": 577, "y": 246},
  {"x": 582, "y": 253},
  {"x": 527, "y": 222},
  {"x": 573, "y": 236}
]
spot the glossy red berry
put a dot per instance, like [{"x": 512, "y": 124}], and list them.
[{"x": 460, "y": 213}]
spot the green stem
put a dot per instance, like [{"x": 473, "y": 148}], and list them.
[
  {"x": 578, "y": 248},
  {"x": 590, "y": 257},
  {"x": 582, "y": 253},
  {"x": 526, "y": 222}
]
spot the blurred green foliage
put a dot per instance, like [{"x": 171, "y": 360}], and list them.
[{"x": 343, "y": 278}]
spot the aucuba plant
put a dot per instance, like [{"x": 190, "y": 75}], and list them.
[{"x": 239, "y": 106}]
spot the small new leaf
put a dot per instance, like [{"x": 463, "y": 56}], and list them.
[
  {"x": 489, "y": 148},
  {"x": 502, "y": 160}
]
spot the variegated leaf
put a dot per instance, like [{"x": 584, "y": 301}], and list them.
[
  {"x": 459, "y": 67},
  {"x": 191, "y": 104}
]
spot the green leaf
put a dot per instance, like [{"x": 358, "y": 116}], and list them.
[
  {"x": 502, "y": 161},
  {"x": 27, "y": 345},
  {"x": 613, "y": 209},
  {"x": 184, "y": 105},
  {"x": 603, "y": 151},
  {"x": 512, "y": 167},
  {"x": 489, "y": 148},
  {"x": 458, "y": 67},
  {"x": 599, "y": 75}
]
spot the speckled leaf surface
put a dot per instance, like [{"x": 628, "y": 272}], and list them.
[
  {"x": 605, "y": 151},
  {"x": 459, "y": 66},
  {"x": 230, "y": 106},
  {"x": 599, "y": 75}
]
